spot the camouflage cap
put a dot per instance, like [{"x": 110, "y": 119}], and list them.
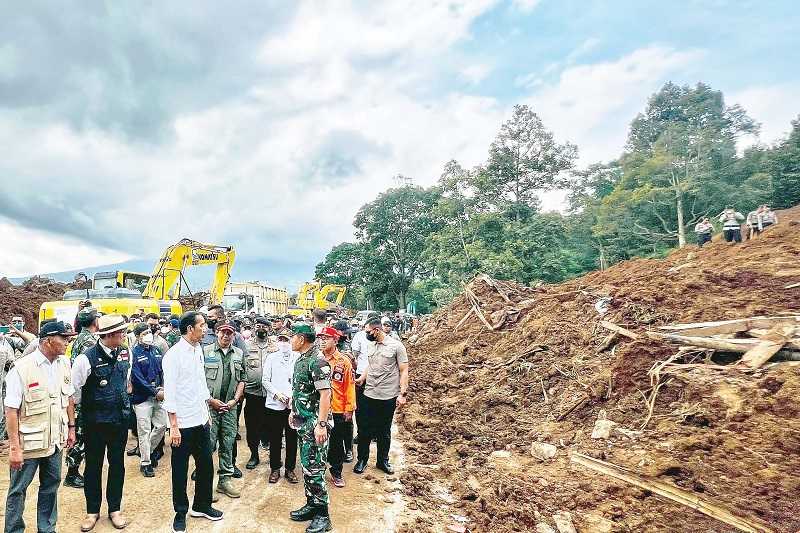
[
  {"x": 87, "y": 313},
  {"x": 285, "y": 332}
]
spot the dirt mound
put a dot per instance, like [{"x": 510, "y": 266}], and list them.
[
  {"x": 25, "y": 299},
  {"x": 480, "y": 397}
]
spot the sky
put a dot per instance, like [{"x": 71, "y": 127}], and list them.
[{"x": 125, "y": 126}]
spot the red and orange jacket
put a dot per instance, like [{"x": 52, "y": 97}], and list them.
[{"x": 343, "y": 393}]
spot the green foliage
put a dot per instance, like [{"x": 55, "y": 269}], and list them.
[{"x": 680, "y": 164}]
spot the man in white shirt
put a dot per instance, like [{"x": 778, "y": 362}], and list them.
[
  {"x": 186, "y": 400},
  {"x": 277, "y": 381},
  {"x": 360, "y": 346}
]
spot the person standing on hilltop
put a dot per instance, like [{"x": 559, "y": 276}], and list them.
[
  {"x": 704, "y": 229},
  {"x": 731, "y": 224}
]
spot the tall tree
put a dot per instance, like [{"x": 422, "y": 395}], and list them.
[
  {"x": 784, "y": 167},
  {"x": 394, "y": 227},
  {"x": 523, "y": 159}
]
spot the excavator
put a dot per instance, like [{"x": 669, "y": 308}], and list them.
[
  {"x": 127, "y": 293},
  {"x": 314, "y": 295}
]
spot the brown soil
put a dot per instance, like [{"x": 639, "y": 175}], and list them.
[
  {"x": 25, "y": 299},
  {"x": 730, "y": 437}
]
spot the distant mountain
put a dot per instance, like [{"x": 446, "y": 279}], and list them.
[{"x": 279, "y": 274}]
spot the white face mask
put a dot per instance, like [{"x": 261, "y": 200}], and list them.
[
  {"x": 284, "y": 346},
  {"x": 147, "y": 339},
  {"x": 164, "y": 330},
  {"x": 247, "y": 334}
]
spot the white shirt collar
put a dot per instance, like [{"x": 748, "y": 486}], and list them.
[{"x": 41, "y": 359}]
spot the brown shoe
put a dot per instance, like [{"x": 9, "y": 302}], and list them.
[
  {"x": 338, "y": 482},
  {"x": 290, "y": 476},
  {"x": 118, "y": 520},
  {"x": 274, "y": 476},
  {"x": 89, "y": 522}
]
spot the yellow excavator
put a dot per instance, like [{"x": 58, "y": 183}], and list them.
[
  {"x": 127, "y": 293},
  {"x": 313, "y": 295}
]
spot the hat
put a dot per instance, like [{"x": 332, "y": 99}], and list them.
[
  {"x": 262, "y": 320},
  {"x": 304, "y": 329},
  {"x": 174, "y": 322},
  {"x": 140, "y": 328},
  {"x": 225, "y": 325},
  {"x": 86, "y": 314},
  {"x": 110, "y": 323},
  {"x": 55, "y": 328},
  {"x": 285, "y": 333},
  {"x": 330, "y": 332}
]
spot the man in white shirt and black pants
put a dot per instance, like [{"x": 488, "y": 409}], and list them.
[{"x": 186, "y": 400}]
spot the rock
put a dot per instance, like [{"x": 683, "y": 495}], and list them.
[
  {"x": 500, "y": 454},
  {"x": 473, "y": 483},
  {"x": 456, "y": 528},
  {"x": 543, "y": 451},
  {"x": 596, "y": 523},
  {"x": 603, "y": 426},
  {"x": 541, "y": 527},
  {"x": 563, "y": 521},
  {"x": 543, "y": 482}
]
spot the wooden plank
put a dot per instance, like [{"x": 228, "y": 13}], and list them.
[
  {"x": 767, "y": 346},
  {"x": 787, "y": 273},
  {"x": 672, "y": 493},
  {"x": 617, "y": 329},
  {"x": 792, "y": 285},
  {"x": 724, "y": 345},
  {"x": 731, "y": 326}
]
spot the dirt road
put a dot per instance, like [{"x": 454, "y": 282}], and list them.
[{"x": 370, "y": 503}]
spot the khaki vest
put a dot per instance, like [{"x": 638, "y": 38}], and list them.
[
  {"x": 213, "y": 367},
  {"x": 43, "y": 414},
  {"x": 254, "y": 366}
]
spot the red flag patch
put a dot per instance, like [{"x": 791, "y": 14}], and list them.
[{"x": 34, "y": 384}]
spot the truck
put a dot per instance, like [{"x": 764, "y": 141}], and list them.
[{"x": 248, "y": 296}]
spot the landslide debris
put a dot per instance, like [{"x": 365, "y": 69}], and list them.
[
  {"x": 25, "y": 299},
  {"x": 481, "y": 397}
]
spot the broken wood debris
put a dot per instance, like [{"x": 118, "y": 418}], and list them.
[
  {"x": 618, "y": 329},
  {"x": 672, "y": 493}
]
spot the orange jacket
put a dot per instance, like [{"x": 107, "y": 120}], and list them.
[{"x": 343, "y": 386}]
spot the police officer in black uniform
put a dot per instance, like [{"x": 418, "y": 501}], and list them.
[{"x": 101, "y": 376}]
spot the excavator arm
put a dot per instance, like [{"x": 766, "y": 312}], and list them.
[
  {"x": 338, "y": 290},
  {"x": 165, "y": 280}
]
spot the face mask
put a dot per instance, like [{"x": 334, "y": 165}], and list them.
[
  {"x": 284, "y": 346},
  {"x": 147, "y": 339},
  {"x": 164, "y": 330},
  {"x": 261, "y": 334},
  {"x": 371, "y": 337},
  {"x": 246, "y": 334},
  {"x": 153, "y": 328},
  {"x": 211, "y": 322}
]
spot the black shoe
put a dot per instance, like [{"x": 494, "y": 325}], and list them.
[
  {"x": 157, "y": 454},
  {"x": 320, "y": 523},
  {"x": 386, "y": 466},
  {"x": 147, "y": 471},
  {"x": 153, "y": 460},
  {"x": 306, "y": 512},
  {"x": 179, "y": 524},
  {"x": 361, "y": 465},
  {"x": 194, "y": 475},
  {"x": 237, "y": 473},
  {"x": 209, "y": 512},
  {"x": 253, "y": 462},
  {"x": 74, "y": 480},
  {"x": 132, "y": 452},
  {"x": 348, "y": 457}
]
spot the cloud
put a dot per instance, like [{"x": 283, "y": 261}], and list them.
[
  {"x": 774, "y": 106},
  {"x": 476, "y": 73},
  {"x": 591, "y": 105},
  {"x": 526, "y": 6},
  {"x": 273, "y": 153}
]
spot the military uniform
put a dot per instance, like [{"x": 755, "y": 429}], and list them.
[
  {"x": 224, "y": 371},
  {"x": 8, "y": 347},
  {"x": 311, "y": 375},
  {"x": 74, "y": 456},
  {"x": 255, "y": 412},
  {"x": 172, "y": 336}
]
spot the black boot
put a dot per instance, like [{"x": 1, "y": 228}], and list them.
[
  {"x": 321, "y": 522},
  {"x": 74, "y": 478},
  {"x": 306, "y": 512},
  {"x": 253, "y": 462}
]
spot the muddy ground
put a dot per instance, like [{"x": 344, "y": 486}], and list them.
[{"x": 370, "y": 503}]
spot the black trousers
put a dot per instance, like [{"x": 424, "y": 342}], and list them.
[
  {"x": 360, "y": 421},
  {"x": 195, "y": 441},
  {"x": 377, "y": 424},
  {"x": 732, "y": 235},
  {"x": 338, "y": 442},
  {"x": 703, "y": 238},
  {"x": 104, "y": 441},
  {"x": 277, "y": 426},
  {"x": 255, "y": 419}
]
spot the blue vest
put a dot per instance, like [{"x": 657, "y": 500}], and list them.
[
  {"x": 104, "y": 397},
  {"x": 147, "y": 363}
]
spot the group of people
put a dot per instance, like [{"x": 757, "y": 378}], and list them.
[
  {"x": 756, "y": 222},
  {"x": 183, "y": 382}
]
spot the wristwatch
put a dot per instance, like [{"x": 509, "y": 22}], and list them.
[{"x": 322, "y": 424}]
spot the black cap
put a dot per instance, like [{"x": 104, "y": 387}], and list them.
[
  {"x": 262, "y": 320},
  {"x": 55, "y": 328},
  {"x": 140, "y": 328}
]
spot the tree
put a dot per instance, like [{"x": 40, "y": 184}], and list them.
[
  {"x": 784, "y": 167},
  {"x": 394, "y": 227},
  {"x": 523, "y": 159}
]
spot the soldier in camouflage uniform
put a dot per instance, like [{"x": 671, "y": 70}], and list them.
[
  {"x": 174, "y": 334},
  {"x": 10, "y": 344},
  {"x": 310, "y": 414},
  {"x": 86, "y": 320}
]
